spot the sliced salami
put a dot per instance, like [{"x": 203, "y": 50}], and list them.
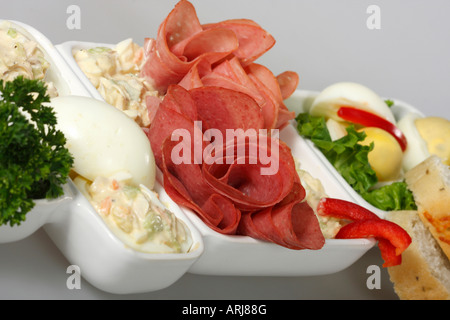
[
  {"x": 211, "y": 133},
  {"x": 254, "y": 41},
  {"x": 223, "y": 109}
]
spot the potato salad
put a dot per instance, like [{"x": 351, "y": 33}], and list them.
[
  {"x": 114, "y": 72},
  {"x": 22, "y": 56},
  {"x": 136, "y": 216},
  {"x": 314, "y": 192}
]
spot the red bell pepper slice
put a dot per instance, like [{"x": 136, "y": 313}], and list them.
[
  {"x": 378, "y": 228},
  {"x": 392, "y": 239},
  {"x": 342, "y": 209},
  {"x": 388, "y": 253},
  {"x": 369, "y": 119}
]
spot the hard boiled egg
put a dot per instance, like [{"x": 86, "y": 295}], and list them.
[
  {"x": 436, "y": 132},
  {"x": 349, "y": 94},
  {"x": 427, "y": 136},
  {"x": 104, "y": 141},
  {"x": 386, "y": 157}
]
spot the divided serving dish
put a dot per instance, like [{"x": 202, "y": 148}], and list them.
[{"x": 85, "y": 240}]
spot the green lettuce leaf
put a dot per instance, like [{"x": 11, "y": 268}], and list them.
[
  {"x": 350, "y": 159},
  {"x": 392, "y": 197}
]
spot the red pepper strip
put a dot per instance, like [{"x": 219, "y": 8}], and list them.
[
  {"x": 342, "y": 209},
  {"x": 372, "y": 226},
  {"x": 369, "y": 119},
  {"x": 388, "y": 254},
  {"x": 380, "y": 229}
]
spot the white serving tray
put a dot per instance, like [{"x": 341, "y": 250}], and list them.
[{"x": 84, "y": 239}]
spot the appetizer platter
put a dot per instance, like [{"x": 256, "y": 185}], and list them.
[{"x": 156, "y": 184}]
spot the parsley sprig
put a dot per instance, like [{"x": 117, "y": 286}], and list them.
[{"x": 34, "y": 162}]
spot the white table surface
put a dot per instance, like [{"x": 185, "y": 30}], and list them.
[{"x": 324, "y": 41}]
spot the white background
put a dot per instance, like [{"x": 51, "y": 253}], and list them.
[{"x": 324, "y": 41}]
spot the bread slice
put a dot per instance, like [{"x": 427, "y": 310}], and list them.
[
  {"x": 430, "y": 184},
  {"x": 424, "y": 273}
]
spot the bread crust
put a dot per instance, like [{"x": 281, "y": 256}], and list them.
[
  {"x": 430, "y": 184},
  {"x": 414, "y": 278}
]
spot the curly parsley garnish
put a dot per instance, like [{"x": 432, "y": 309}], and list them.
[{"x": 34, "y": 162}]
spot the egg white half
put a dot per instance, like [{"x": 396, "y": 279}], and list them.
[
  {"x": 350, "y": 94},
  {"x": 104, "y": 141},
  {"x": 416, "y": 150}
]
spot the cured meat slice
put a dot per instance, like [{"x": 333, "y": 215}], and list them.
[
  {"x": 283, "y": 117},
  {"x": 180, "y": 100},
  {"x": 157, "y": 72},
  {"x": 291, "y": 223},
  {"x": 184, "y": 185},
  {"x": 230, "y": 216},
  {"x": 233, "y": 76},
  {"x": 152, "y": 104},
  {"x": 180, "y": 42},
  {"x": 294, "y": 226},
  {"x": 245, "y": 183},
  {"x": 218, "y": 54},
  {"x": 230, "y": 194},
  {"x": 288, "y": 82},
  {"x": 269, "y": 107},
  {"x": 223, "y": 109},
  {"x": 168, "y": 122},
  {"x": 254, "y": 41},
  {"x": 240, "y": 179},
  {"x": 193, "y": 79},
  {"x": 305, "y": 232},
  {"x": 181, "y": 23},
  {"x": 277, "y": 115},
  {"x": 258, "y": 82},
  {"x": 266, "y": 78},
  {"x": 212, "y": 45},
  {"x": 264, "y": 225}
]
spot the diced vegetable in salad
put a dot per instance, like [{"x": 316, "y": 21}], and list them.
[
  {"x": 114, "y": 72},
  {"x": 136, "y": 215}
]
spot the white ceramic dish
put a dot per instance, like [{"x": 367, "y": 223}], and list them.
[
  {"x": 240, "y": 255},
  {"x": 301, "y": 101},
  {"x": 82, "y": 235},
  {"x": 104, "y": 261}
]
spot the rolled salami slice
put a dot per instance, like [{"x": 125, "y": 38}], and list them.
[
  {"x": 180, "y": 42},
  {"x": 291, "y": 223},
  {"x": 288, "y": 82},
  {"x": 254, "y": 41},
  {"x": 231, "y": 74},
  {"x": 184, "y": 184},
  {"x": 240, "y": 178}
]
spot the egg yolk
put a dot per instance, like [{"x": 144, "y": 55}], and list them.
[
  {"x": 436, "y": 132},
  {"x": 386, "y": 156}
]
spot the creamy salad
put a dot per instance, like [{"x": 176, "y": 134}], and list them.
[
  {"x": 22, "y": 56},
  {"x": 136, "y": 216},
  {"x": 314, "y": 192},
  {"x": 115, "y": 74}
]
